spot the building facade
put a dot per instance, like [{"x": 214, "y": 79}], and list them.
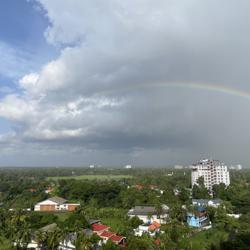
[
  {"x": 198, "y": 218},
  {"x": 206, "y": 202},
  {"x": 151, "y": 229},
  {"x": 213, "y": 172},
  {"x": 149, "y": 214},
  {"x": 55, "y": 204}
]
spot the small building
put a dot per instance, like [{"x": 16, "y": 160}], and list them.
[
  {"x": 55, "y": 204},
  {"x": 235, "y": 216},
  {"x": 103, "y": 232},
  {"x": 106, "y": 235},
  {"x": 195, "y": 221},
  {"x": 206, "y": 202},
  {"x": 93, "y": 221},
  {"x": 138, "y": 186},
  {"x": 32, "y": 190},
  {"x": 49, "y": 190},
  {"x": 151, "y": 229},
  {"x": 99, "y": 228},
  {"x": 149, "y": 214},
  {"x": 128, "y": 166},
  {"x": 68, "y": 242},
  {"x": 178, "y": 167},
  {"x": 176, "y": 191},
  {"x": 118, "y": 240},
  {"x": 198, "y": 219}
]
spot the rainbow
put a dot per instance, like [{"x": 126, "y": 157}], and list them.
[
  {"x": 206, "y": 86},
  {"x": 191, "y": 85}
]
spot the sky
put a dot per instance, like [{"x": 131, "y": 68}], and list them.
[{"x": 140, "y": 82}]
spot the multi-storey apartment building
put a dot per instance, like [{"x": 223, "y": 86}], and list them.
[{"x": 213, "y": 172}]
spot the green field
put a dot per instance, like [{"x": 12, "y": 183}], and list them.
[
  {"x": 91, "y": 177},
  {"x": 203, "y": 240},
  {"x": 5, "y": 244},
  {"x": 62, "y": 216}
]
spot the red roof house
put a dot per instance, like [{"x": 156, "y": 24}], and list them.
[
  {"x": 158, "y": 242},
  {"x": 106, "y": 235},
  {"x": 102, "y": 231},
  {"x": 32, "y": 190},
  {"x": 99, "y": 228},
  {"x": 139, "y": 186},
  {"x": 118, "y": 240},
  {"x": 155, "y": 225}
]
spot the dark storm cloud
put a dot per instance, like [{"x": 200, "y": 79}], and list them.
[{"x": 92, "y": 99}]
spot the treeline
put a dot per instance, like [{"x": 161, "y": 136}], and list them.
[{"x": 23, "y": 187}]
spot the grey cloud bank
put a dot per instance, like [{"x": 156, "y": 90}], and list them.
[{"x": 81, "y": 108}]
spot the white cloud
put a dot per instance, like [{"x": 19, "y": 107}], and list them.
[
  {"x": 29, "y": 81},
  {"x": 17, "y": 108},
  {"x": 48, "y": 134}
]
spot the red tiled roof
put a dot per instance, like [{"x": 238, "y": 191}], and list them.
[
  {"x": 158, "y": 241},
  {"x": 107, "y": 234},
  {"x": 152, "y": 227},
  {"x": 117, "y": 238},
  {"x": 99, "y": 227},
  {"x": 156, "y": 224},
  {"x": 32, "y": 190},
  {"x": 139, "y": 187}
]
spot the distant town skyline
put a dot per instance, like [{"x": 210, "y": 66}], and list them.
[{"x": 115, "y": 83}]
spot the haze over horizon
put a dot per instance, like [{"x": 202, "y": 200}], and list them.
[{"x": 152, "y": 82}]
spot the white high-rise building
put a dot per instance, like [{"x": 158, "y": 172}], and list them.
[{"x": 213, "y": 172}]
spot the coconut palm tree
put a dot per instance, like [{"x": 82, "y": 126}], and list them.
[
  {"x": 83, "y": 242},
  {"x": 54, "y": 238},
  {"x": 25, "y": 235},
  {"x": 40, "y": 238}
]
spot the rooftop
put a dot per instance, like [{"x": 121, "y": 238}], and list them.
[
  {"x": 144, "y": 210},
  {"x": 93, "y": 221},
  {"x": 117, "y": 238},
  {"x": 88, "y": 232},
  {"x": 49, "y": 228},
  {"x": 205, "y": 201},
  {"x": 107, "y": 234},
  {"x": 208, "y": 162},
  {"x": 99, "y": 227},
  {"x": 58, "y": 200}
]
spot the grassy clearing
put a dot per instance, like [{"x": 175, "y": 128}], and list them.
[
  {"x": 202, "y": 240},
  {"x": 115, "y": 224},
  {"x": 5, "y": 244},
  {"x": 63, "y": 216},
  {"x": 91, "y": 177},
  {"x": 113, "y": 217}
]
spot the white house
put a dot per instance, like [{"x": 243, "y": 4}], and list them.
[
  {"x": 150, "y": 229},
  {"x": 235, "y": 216},
  {"x": 149, "y": 214},
  {"x": 55, "y": 204},
  {"x": 206, "y": 202}
]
